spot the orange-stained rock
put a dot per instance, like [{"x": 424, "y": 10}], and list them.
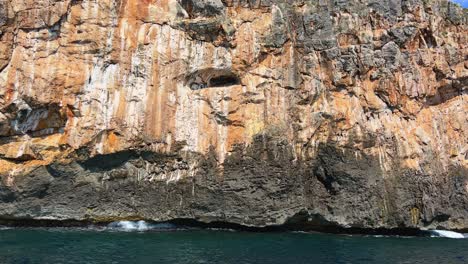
[{"x": 85, "y": 79}]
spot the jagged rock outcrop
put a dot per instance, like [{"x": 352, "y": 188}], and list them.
[{"x": 332, "y": 112}]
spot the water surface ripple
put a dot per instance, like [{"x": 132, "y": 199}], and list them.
[{"x": 67, "y": 246}]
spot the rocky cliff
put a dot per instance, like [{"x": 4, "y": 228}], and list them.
[{"x": 339, "y": 113}]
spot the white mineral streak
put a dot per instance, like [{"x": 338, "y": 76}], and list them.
[
  {"x": 136, "y": 87},
  {"x": 187, "y": 114},
  {"x": 95, "y": 103}
]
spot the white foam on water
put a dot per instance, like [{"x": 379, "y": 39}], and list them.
[
  {"x": 139, "y": 226},
  {"x": 447, "y": 234}
]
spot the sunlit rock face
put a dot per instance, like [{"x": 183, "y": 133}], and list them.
[{"x": 318, "y": 113}]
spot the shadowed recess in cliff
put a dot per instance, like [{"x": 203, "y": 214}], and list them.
[
  {"x": 114, "y": 160},
  {"x": 455, "y": 88},
  {"x": 212, "y": 78},
  {"x": 28, "y": 117},
  {"x": 196, "y": 8}
]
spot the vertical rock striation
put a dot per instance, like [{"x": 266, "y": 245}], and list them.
[{"x": 338, "y": 113}]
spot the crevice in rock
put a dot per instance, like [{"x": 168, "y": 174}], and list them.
[
  {"x": 428, "y": 38},
  {"x": 447, "y": 92}
]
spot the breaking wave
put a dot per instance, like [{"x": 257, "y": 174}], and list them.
[
  {"x": 140, "y": 226},
  {"x": 447, "y": 234}
]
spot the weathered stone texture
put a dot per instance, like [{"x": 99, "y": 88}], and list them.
[{"x": 346, "y": 113}]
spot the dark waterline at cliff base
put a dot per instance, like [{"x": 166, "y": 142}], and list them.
[{"x": 203, "y": 246}]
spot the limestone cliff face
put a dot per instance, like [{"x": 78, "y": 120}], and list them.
[{"x": 347, "y": 113}]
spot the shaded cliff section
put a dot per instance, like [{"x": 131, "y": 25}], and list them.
[
  {"x": 338, "y": 183},
  {"x": 262, "y": 185}
]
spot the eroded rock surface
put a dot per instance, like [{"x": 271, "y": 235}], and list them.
[{"x": 343, "y": 113}]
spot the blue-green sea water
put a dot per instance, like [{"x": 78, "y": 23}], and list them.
[{"x": 27, "y": 246}]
